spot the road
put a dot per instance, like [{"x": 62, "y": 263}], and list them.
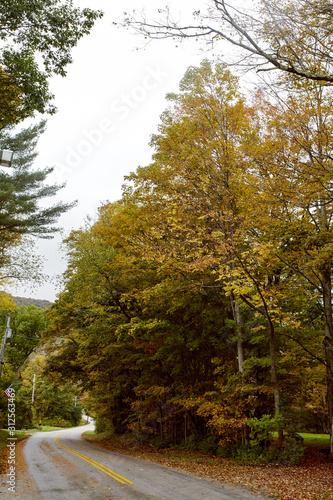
[{"x": 61, "y": 465}]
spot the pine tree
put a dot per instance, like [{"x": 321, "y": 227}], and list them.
[{"x": 22, "y": 188}]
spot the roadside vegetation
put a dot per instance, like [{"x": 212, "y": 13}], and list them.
[
  {"x": 39, "y": 401},
  {"x": 19, "y": 435},
  {"x": 311, "y": 479}
]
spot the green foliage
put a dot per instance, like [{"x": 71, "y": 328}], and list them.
[
  {"x": 23, "y": 211},
  {"x": 262, "y": 429},
  {"x": 58, "y": 421},
  {"x": 23, "y": 188},
  {"x": 28, "y": 323},
  {"x": 23, "y": 414},
  {"x": 37, "y": 40},
  {"x": 290, "y": 452}
]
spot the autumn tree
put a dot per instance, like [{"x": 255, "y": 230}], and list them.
[
  {"x": 10, "y": 102},
  {"x": 294, "y": 37},
  {"x": 132, "y": 334},
  {"x": 297, "y": 178},
  {"x": 202, "y": 169},
  {"x": 197, "y": 167}
]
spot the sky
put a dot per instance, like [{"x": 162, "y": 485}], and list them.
[{"x": 109, "y": 105}]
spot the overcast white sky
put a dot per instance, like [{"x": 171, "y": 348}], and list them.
[{"x": 108, "y": 106}]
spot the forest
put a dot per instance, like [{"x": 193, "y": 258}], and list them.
[{"x": 196, "y": 309}]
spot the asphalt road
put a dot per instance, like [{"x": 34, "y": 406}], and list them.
[{"x": 61, "y": 465}]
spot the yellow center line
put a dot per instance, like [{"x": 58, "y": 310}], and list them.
[{"x": 99, "y": 466}]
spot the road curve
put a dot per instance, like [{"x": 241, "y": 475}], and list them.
[{"x": 61, "y": 465}]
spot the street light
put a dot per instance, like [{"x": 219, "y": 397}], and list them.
[{"x": 6, "y": 157}]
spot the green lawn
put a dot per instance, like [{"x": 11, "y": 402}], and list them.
[
  {"x": 46, "y": 428},
  {"x": 316, "y": 439},
  {"x": 311, "y": 439}
]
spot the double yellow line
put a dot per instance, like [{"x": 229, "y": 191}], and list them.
[{"x": 99, "y": 466}]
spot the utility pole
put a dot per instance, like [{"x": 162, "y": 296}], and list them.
[{"x": 7, "y": 335}]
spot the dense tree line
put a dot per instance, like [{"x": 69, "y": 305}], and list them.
[
  {"x": 38, "y": 399},
  {"x": 199, "y": 303}
]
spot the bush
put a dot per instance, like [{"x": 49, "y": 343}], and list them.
[
  {"x": 262, "y": 429},
  {"x": 263, "y": 448},
  {"x": 102, "y": 424},
  {"x": 208, "y": 445},
  {"x": 290, "y": 452},
  {"x": 56, "y": 422},
  {"x": 191, "y": 443}
]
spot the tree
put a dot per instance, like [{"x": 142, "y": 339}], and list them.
[
  {"x": 50, "y": 403},
  {"x": 297, "y": 178},
  {"x": 294, "y": 37},
  {"x": 29, "y": 30},
  {"x": 10, "y": 102},
  {"x": 22, "y": 189},
  {"x": 138, "y": 340},
  {"x": 201, "y": 167},
  {"x": 27, "y": 324}
]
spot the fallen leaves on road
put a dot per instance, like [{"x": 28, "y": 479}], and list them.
[{"x": 311, "y": 480}]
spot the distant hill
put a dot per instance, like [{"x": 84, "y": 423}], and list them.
[{"x": 24, "y": 301}]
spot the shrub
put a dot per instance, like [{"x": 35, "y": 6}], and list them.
[
  {"x": 263, "y": 448},
  {"x": 208, "y": 445},
  {"x": 56, "y": 422},
  {"x": 262, "y": 429}
]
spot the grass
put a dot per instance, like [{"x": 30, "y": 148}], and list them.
[
  {"x": 43, "y": 428},
  {"x": 316, "y": 439},
  {"x": 20, "y": 435},
  {"x": 322, "y": 440}
]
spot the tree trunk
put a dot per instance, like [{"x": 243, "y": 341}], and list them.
[
  {"x": 240, "y": 352},
  {"x": 328, "y": 342},
  {"x": 240, "y": 339},
  {"x": 274, "y": 376}
]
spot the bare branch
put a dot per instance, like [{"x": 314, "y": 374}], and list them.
[{"x": 296, "y": 38}]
